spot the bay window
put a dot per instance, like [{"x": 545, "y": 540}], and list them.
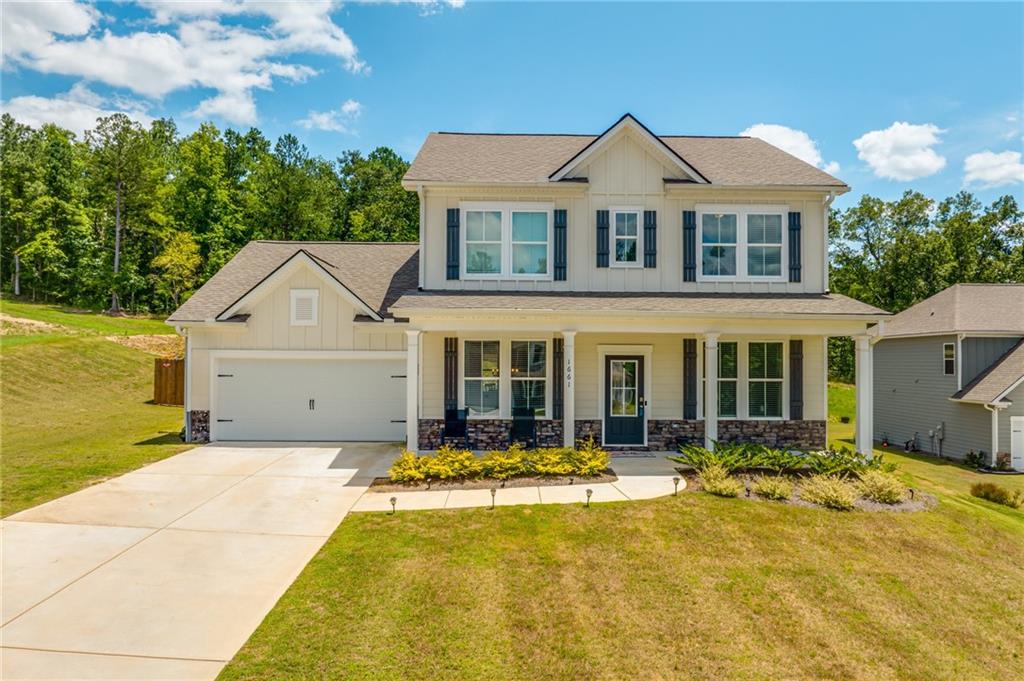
[
  {"x": 742, "y": 243},
  {"x": 529, "y": 376},
  {"x": 506, "y": 240},
  {"x": 482, "y": 377},
  {"x": 764, "y": 377}
]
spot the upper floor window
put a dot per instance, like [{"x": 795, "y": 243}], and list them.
[
  {"x": 304, "y": 306},
  {"x": 949, "y": 359},
  {"x": 507, "y": 240},
  {"x": 741, "y": 242},
  {"x": 626, "y": 230}
]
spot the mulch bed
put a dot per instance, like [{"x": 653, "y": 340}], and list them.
[
  {"x": 921, "y": 501},
  {"x": 385, "y": 484}
]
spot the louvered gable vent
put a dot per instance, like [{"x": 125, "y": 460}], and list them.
[{"x": 304, "y": 307}]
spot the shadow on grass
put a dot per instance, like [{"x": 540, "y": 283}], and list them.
[{"x": 170, "y": 438}]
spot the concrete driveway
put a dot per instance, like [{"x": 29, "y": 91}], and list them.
[{"x": 165, "y": 572}]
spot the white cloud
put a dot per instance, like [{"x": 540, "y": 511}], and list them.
[
  {"x": 189, "y": 48},
  {"x": 991, "y": 169},
  {"x": 795, "y": 142},
  {"x": 76, "y": 110},
  {"x": 903, "y": 151},
  {"x": 338, "y": 120}
]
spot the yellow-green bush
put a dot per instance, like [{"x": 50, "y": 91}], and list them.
[
  {"x": 552, "y": 460},
  {"x": 715, "y": 480},
  {"x": 452, "y": 464},
  {"x": 829, "y": 491},
  {"x": 505, "y": 464},
  {"x": 406, "y": 468},
  {"x": 772, "y": 487},
  {"x": 881, "y": 487},
  {"x": 997, "y": 494},
  {"x": 588, "y": 458}
]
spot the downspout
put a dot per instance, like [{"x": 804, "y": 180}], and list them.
[
  {"x": 959, "y": 362},
  {"x": 995, "y": 409},
  {"x": 826, "y": 205}
]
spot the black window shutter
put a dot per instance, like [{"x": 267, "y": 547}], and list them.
[
  {"x": 796, "y": 380},
  {"x": 689, "y": 378},
  {"x": 453, "y": 243},
  {"x": 451, "y": 373},
  {"x": 689, "y": 245},
  {"x": 794, "y": 247},
  {"x": 602, "y": 238},
  {"x": 557, "y": 368},
  {"x": 650, "y": 238},
  {"x": 561, "y": 256}
]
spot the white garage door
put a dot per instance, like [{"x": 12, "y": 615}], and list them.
[{"x": 310, "y": 399}]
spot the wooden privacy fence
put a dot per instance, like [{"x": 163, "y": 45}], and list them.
[{"x": 169, "y": 381}]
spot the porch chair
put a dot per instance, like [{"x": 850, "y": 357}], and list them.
[
  {"x": 455, "y": 427},
  {"x": 524, "y": 427}
]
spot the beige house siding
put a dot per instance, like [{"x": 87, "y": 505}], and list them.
[
  {"x": 665, "y": 392},
  {"x": 269, "y": 328},
  {"x": 627, "y": 173}
]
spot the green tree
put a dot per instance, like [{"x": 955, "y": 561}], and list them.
[
  {"x": 177, "y": 266},
  {"x": 377, "y": 208},
  {"x": 19, "y": 189}
]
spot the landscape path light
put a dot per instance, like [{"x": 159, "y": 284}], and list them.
[
  {"x": 494, "y": 491},
  {"x": 675, "y": 484},
  {"x": 394, "y": 500},
  {"x": 589, "y": 493}
]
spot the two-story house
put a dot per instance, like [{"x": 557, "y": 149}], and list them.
[
  {"x": 643, "y": 289},
  {"x": 949, "y": 374}
]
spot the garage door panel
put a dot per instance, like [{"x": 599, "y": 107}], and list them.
[{"x": 310, "y": 399}]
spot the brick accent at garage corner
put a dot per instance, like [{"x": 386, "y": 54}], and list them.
[
  {"x": 792, "y": 434},
  {"x": 487, "y": 434},
  {"x": 199, "y": 425}
]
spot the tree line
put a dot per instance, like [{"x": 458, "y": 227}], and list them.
[
  {"x": 136, "y": 218},
  {"x": 133, "y": 217}
]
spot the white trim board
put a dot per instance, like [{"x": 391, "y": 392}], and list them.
[{"x": 645, "y": 351}]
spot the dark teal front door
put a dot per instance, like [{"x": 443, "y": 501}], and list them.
[{"x": 624, "y": 400}]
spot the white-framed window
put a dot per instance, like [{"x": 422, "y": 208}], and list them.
[
  {"x": 528, "y": 376},
  {"x": 305, "y": 306},
  {"x": 741, "y": 243},
  {"x": 728, "y": 379},
  {"x": 626, "y": 236},
  {"x": 949, "y": 359},
  {"x": 482, "y": 377},
  {"x": 764, "y": 379},
  {"x": 506, "y": 240}
]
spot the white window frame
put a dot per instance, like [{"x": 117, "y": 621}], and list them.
[
  {"x": 743, "y": 379},
  {"x": 741, "y": 212},
  {"x": 783, "y": 392},
  {"x": 506, "y": 208},
  {"x": 297, "y": 293},
  {"x": 952, "y": 347},
  {"x": 505, "y": 373},
  {"x": 613, "y": 261}
]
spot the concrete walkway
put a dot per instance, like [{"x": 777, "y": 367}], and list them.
[
  {"x": 165, "y": 572},
  {"x": 639, "y": 478}
]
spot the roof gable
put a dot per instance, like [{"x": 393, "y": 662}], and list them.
[
  {"x": 628, "y": 123},
  {"x": 963, "y": 308}
]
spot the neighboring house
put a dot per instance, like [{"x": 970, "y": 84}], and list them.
[
  {"x": 595, "y": 280},
  {"x": 950, "y": 371}
]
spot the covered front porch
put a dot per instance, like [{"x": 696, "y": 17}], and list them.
[{"x": 638, "y": 385}]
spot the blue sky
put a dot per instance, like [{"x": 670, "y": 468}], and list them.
[{"x": 889, "y": 97}]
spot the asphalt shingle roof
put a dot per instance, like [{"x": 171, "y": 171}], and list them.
[
  {"x": 994, "y": 381},
  {"x": 963, "y": 308}
]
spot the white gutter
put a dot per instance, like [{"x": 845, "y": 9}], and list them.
[
  {"x": 826, "y": 205},
  {"x": 958, "y": 360}
]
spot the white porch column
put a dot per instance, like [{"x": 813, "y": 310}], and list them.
[
  {"x": 412, "y": 390},
  {"x": 710, "y": 390},
  {"x": 995, "y": 432},
  {"x": 865, "y": 398},
  {"x": 569, "y": 389}
]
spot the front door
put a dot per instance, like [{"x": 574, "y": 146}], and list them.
[
  {"x": 1017, "y": 442},
  {"x": 624, "y": 421}
]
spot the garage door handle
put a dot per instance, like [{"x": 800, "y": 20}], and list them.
[
  {"x": 225, "y": 420},
  {"x": 312, "y": 405}
]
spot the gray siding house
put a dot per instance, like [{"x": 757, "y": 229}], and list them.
[{"x": 949, "y": 372}]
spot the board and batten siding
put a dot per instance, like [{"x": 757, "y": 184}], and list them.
[
  {"x": 912, "y": 395},
  {"x": 269, "y": 328},
  {"x": 627, "y": 173},
  {"x": 665, "y": 392},
  {"x": 980, "y": 353}
]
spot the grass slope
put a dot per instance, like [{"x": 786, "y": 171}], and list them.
[
  {"x": 76, "y": 407},
  {"x": 680, "y": 587}
]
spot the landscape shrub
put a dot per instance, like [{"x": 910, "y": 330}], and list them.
[
  {"x": 741, "y": 456},
  {"x": 974, "y": 459},
  {"x": 1003, "y": 462},
  {"x": 772, "y": 487},
  {"x": 830, "y": 491},
  {"x": 588, "y": 458},
  {"x": 881, "y": 487},
  {"x": 552, "y": 460},
  {"x": 406, "y": 468},
  {"x": 715, "y": 479},
  {"x": 997, "y": 494},
  {"x": 508, "y": 463},
  {"x": 845, "y": 463},
  {"x": 451, "y": 464}
]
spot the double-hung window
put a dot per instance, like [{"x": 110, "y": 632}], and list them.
[
  {"x": 626, "y": 233},
  {"x": 949, "y": 359},
  {"x": 507, "y": 240},
  {"x": 529, "y": 376},
  {"x": 728, "y": 380},
  {"x": 482, "y": 377},
  {"x": 742, "y": 243},
  {"x": 718, "y": 244},
  {"x": 764, "y": 380}
]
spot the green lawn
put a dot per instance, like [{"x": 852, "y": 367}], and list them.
[
  {"x": 76, "y": 408},
  {"x": 680, "y": 587}
]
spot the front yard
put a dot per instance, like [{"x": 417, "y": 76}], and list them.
[{"x": 677, "y": 587}]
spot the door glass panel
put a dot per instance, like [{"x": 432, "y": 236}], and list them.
[{"x": 623, "y": 387}]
